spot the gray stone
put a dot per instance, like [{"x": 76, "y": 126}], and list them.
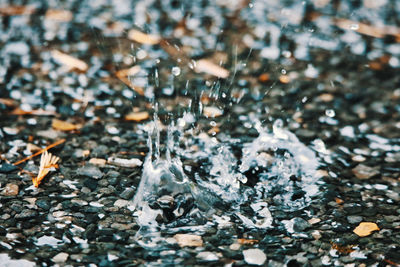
[
  {"x": 128, "y": 193},
  {"x": 90, "y": 171},
  {"x": 254, "y": 256},
  {"x": 354, "y": 219}
]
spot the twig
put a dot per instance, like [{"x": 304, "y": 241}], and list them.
[{"x": 40, "y": 152}]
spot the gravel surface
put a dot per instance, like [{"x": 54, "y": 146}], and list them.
[{"x": 94, "y": 76}]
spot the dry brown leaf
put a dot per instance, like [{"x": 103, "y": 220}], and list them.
[
  {"x": 8, "y": 102},
  {"x": 47, "y": 161},
  {"x": 244, "y": 241},
  {"x": 365, "y": 229},
  {"x": 263, "y": 77},
  {"x": 59, "y": 15},
  {"x": 37, "y": 112},
  {"x": 69, "y": 61},
  {"x": 17, "y": 10},
  {"x": 188, "y": 240},
  {"x": 137, "y": 116},
  {"x": 206, "y": 66},
  {"x": 64, "y": 126},
  {"x": 143, "y": 38}
]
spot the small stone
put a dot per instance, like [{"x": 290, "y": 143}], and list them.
[
  {"x": 314, "y": 220},
  {"x": 7, "y": 168},
  {"x": 43, "y": 204},
  {"x": 299, "y": 224},
  {"x": 90, "y": 171},
  {"x": 207, "y": 256},
  {"x": 120, "y": 203},
  {"x": 127, "y": 163},
  {"x": 354, "y": 219},
  {"x": 60, "y": 257},
  {"x": 212, "y": 112},
  {"x": 10, "y": 190},
  {"x": 254, "y": 256},
  {"x": 365, "y": 172},
  {"x": 316, "y": 234},
  {"x": 26, "y": 214},
  {"x": 188, "y": 240},
  {"x": 128, "y": 193},
  {"x": 235, "y": 246}
]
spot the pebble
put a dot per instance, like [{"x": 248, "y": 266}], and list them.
[
  {"x": 127, "y": 193},
  {"x": 254, "y": 256},
  {"x": 10, "y": 190},
  {"x": 120, "y": 203},
  {"x": 365, "y": 172},
  {"x": 127, "y": 163},
  {"x": 26, "y": 214},
  {"x": 207, "y": 256},
  {"x": 7, "y": 168},
  {"x": 188, "y": 240},
  {"x": 354, "y": 219},
  {"x": 90, "y": 171},
  {"x": 60, "y": 257}
]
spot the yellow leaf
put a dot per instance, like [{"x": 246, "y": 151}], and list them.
[
  {"x": 64, "y": 126},
  {"x": 365, "y": 229}
]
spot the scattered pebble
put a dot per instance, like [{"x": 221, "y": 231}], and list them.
[
  {"x": 188, "y": 240},
  {"x": 10, "y": 190},
  {"x": 254, "y": 256},
  {"x": 60, "y": 257}
]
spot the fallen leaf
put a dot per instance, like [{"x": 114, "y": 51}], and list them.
[
  {"x": 188, "y": 240},
  {"x": 59, "y": 15},
  {"x": 212, "y": 112},
  {"x": 343, "y": 249},
  {"x": 69, "y": 61},
  {"x": 137, "y": 116},
  {"x": 37, "y": 112},
  {"x": 128, "y": 72},
  {"x": 264, "y": 77},
  {"x": 365, "y": 229},
  {"x": 64, "y": 126},
  {"x": 17, "y": 10},
  {"x": 8, "y": 102},
  {"x": 284, "y": 79},
  {"x": 206, "y": 66},
  {"x": 143, "y": 38},
  {"x": 366, "y": 29},
  {"x": 244, "y": 241},
  {"x": 47, "y": 161},
  {"x": 326, "y": 97}
]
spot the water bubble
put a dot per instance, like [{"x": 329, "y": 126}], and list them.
[
  {"x": 330, "y": 113},
  {"x": 283, "y": 71},
  {"x": 304, "y": 99}
]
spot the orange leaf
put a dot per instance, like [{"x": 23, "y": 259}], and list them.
[
  {"x": 365, "y": 229},
  {"x": 37, "y": 112},
  {"x": 69, "y": 61},
  {"x": 64, "y": 126},
  {"x": 244, "y": 241},
  {"x": 143, "y": 38}
]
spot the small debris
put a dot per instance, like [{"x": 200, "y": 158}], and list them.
[
  {"x": 47, "y": 162},
  {"x": 364, "y": 172},
  {"x": 137, "y": 116},
  {"x": 243, "y": 241},
  {"x": 188, "y": 240},
  {"x": 10, "y": 190},
  {"x": 254, "y": 256},
  {"x": 206, "y": 66},
  {"x": 69, "y": 61},
  {"x": 365, "y": 229},
  {"x": 17, "y": 10},
  {"x": 59, "y": 15},
  {"x": 97, "y": 161},
  {"x": 127, "y": 163},
  {"x": 64, "y": 126},
  {"x": 143, "y": 38},
  {"x": 207, "y": 256},
  {"x": 212, "y": 112}
]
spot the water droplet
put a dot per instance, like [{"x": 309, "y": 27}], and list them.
[
  {"x": 251, "y": 5},
  {"x": 330, "y": 113},
  {"x": 354, "y": 27},
  {"x": 283, "y": 71}
]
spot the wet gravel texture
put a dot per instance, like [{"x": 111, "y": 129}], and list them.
[{"x": 337, "y": 90}]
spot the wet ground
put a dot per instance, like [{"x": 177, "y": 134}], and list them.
[{"x": 259, "y": 132}]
